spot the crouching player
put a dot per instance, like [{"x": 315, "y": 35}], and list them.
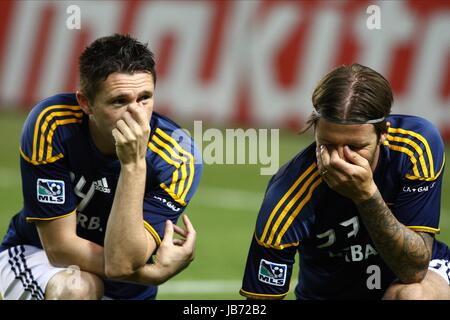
[
  {"x": 104, "y": 181},
  {"x": 360, "y": 205}
]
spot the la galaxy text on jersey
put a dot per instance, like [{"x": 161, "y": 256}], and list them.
[
  {"x": 300, "y": 213},
  {"x": 63, "y": 173}
]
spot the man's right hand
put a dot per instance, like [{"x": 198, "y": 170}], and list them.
[
  {"x": 131, "y": 135},
  {"x": 173, "y": 255}
]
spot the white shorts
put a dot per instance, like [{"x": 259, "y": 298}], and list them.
[
  {"x": 24, "y": 273},
  {"x": 441, "y": 267}
]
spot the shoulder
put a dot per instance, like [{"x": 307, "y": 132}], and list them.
[
  {"x": 417, "y": 143},
  {"x": 165, "y": 129},
  {"x": 169, "y": 138},
  {"x": 174, "y": 157},
  {"x": 289, "y": 192},
  {"x": 50, "y": 121}
]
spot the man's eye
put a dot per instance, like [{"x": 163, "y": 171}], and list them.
[
  {"x": 144, "y": 98},
  {"x": 119, "y": 101}
]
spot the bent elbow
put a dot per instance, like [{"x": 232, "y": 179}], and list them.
[
  {"x": 414, "y": 277},
  {"x": 113, "y": 272},
  {"x": 51, "y": 256},
  {"x": 120, "y": 267},
  {"x": 119, "y": 271},
  {"x": 54, "y": 257}
]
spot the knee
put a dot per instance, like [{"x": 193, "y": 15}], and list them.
[
  {"x": 398, "y": 291},
  {"x": 87, "y": 288},
  {"x": 83, "y": 286}
]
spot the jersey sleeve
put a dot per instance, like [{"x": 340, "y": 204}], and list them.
[
  {"x": 267, "y": 272},
  {"x": 178, "y": 168},
  {"x": 46, "y": 182},
  {"x": 279, "y": 231},
  {"x": 417, "y": 205}
]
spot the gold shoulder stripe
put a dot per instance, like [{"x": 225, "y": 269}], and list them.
[
  {"x": 76, "y": 116},
  {"x": 296, "y": 211},
  {"x": 424, "y": 229},
  {"x": 52, "y": 131},
  {"x": 169, "y": 160},
  {"x": 416, "y": 148},
  {"x": 186, "y": 153},
  {"x": 284, "y": 198},
  {"x": 153, "y": 232},
  {"x": 411, "y": 157},
  {"x": 173, "y": 195},
  {"x": 247, "y": 294},
  {"x": 411, "y": 177},
  {"x": 31, "y": 219},
  {"x": 421, "y": 139},
  {"x": 35, "y": 162},
  {"x": 38, "y": 120},
  {"x": 183, "y": 161},
  {"x": 286, "y": 209},
  {"x": 170, "y": 190},
  {"x": 280, "y": 247}
]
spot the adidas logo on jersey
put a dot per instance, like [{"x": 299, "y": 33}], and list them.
[{"x": 102, "y": 185}]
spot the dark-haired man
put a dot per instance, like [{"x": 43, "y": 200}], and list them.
[
  {"x": 361, "y": 204},
  {"x": 104, "y": 180}
]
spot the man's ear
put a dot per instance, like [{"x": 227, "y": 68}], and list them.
[
  {"x": 83, "y": 101},
  {"x": 383, "y": 136}
]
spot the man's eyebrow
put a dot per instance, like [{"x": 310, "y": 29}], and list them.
[
  {"x": 146, "y": 92},
  {"x": 127, "y": 96},
  {"x": 120, "y": 95},
  {"x": 351, "y": 143}
]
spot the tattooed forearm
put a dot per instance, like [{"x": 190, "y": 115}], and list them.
[{"x": 406, "y": 252}]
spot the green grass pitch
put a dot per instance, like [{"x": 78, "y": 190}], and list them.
[{"x": 223, "y": 211}]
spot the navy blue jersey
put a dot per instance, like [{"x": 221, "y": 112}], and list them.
[
  {"x": 63, "y": 173},
  {"x": 300, "y": 213}
]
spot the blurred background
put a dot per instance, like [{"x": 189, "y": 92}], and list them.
[{"x": 247, "y": 64}]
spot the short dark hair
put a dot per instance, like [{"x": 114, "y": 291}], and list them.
[
  {"x": 116, "y": 53},
  {"x": 352, "y": 94}
]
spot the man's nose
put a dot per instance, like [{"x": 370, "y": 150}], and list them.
[{"x": 135, "y": 104}]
